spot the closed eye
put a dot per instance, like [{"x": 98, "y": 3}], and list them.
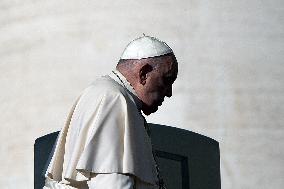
[{"x": 169, "y": 80}]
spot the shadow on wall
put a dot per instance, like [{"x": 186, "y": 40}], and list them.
[{"x": 187, "y": 160}]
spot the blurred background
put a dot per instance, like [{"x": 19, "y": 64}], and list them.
[{"x": 229, "y": 87}]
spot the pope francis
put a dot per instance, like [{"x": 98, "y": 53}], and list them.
[{"x": 105, "y": 142}]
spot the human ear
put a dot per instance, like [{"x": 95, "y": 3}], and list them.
[{"x": 144, "y": 70}]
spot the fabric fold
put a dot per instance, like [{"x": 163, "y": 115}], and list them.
[{"x": 104, "y": 133}]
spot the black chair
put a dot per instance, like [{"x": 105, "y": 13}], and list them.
[{"x": 187, "y": 160}]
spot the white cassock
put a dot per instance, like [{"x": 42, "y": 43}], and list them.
[{"x": 104, "y": 143}]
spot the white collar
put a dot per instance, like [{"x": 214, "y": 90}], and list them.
[{"x": 119, "y": 78}]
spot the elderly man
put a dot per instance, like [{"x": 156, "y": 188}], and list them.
[{"x": 105, "y": 143}]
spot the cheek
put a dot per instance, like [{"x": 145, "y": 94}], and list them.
[
  {"x": 151, "y": 97},
  {"x": 158, "y": 91},
  {"x": 156, "y": 85},
  {"x": 154, "y": 90}
]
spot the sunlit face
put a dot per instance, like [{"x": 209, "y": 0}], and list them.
[{"x": 159, "y": 83}]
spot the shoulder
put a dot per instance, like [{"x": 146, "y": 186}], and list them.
[
  {"x": 104, "y": 87},
  {"x": 107, "y": 84}
]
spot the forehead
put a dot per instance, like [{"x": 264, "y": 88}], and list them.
[{"x": 168, "y": 65}]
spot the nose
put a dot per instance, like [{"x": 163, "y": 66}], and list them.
[{"x": 169, "y": 91}]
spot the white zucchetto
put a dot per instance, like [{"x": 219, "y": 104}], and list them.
[{"x": 145, "y": 47}]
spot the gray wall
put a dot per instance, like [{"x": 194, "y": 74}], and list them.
[{"x": 230, "y": 83}]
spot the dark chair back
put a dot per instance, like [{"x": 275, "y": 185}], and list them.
[{"x": 187, "y": 160}]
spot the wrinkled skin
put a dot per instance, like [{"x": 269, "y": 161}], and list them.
[
  {"x": 152, "y": 79},
  {"x": 156, "y": 83}
]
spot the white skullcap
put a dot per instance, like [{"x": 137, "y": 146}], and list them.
[{"x": 145, "y": 47}]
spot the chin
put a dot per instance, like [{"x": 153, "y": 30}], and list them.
[{"x": 149, "y": 110}]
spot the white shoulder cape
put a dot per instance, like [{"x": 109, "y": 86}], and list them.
[{"x": 104, "y": 133}]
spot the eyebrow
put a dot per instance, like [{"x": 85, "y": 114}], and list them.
[
  {"x": 170, "y": 78},
  {"x": 171, "y": 74}
]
